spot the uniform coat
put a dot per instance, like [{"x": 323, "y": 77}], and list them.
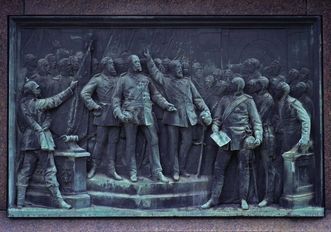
[
  {"x": 183, "y": 94},
  {"x": 243, "y": 121},
  {"x": 134, "y": 94},
  {"x": 104, "y": 87}
]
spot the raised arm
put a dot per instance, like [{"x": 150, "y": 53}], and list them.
[
  {"x": 56, "y": 100},
  {"x": 155, "y": 73}
]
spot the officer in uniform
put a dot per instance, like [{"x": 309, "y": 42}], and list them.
[
  {"x": 183, "y": 94},
  {"x": 237, "y": 117},
  {"x": 108, "y": 127},
  {"x": 37, "y": 143},
  {"x": 265, "y": 105},
  {"x": 292, "y": 129},
  {"x": 133, "y": 106}
]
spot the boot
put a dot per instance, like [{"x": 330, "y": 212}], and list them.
[
  {"x": 176, "y": 176},
  {"x": 133, "y": 177},
  {"x": 184, "y": 173},
  {"x": 264, "y": 203},
  {"x": 244, "y": 204},
  {"x": 215, "y": 193},
  {"x": 160, "y": 177},
  {"x": 57, "y": 198},
  {"x": 111, "y": 172},
  {"x": 210, "y": 203},
  {"x": 60, "y": 203},
  {"x": 93, "y": 170},
  {"x": 21, "y": 190}
]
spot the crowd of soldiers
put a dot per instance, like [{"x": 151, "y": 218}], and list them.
[{"x": 260, "y": 111}]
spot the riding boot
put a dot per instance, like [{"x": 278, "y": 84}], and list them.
[
  {"x": 111, "y": 171},
  {"x": 93, "y": 169},
  {"x": 57, "y": 198},
  {"x": 21, "y": 190}
]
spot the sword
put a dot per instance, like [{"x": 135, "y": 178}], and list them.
[{"x": 201, "y": 150}]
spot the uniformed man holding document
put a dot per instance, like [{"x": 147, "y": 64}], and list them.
[{"x": 237, "y": 130}]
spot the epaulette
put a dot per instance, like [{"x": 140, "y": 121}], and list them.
[
  {"x": 123, "y": 74},
  {"x": 96, "y": 75},
  {"x": 291, "y": 99},
  {"x": 248, "y": 96}
]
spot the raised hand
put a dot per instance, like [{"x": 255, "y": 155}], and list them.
[
  {"x": 73, "y": 84},
  {"x": 147, "y": 54}
]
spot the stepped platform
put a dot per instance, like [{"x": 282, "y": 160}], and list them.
[{"x": 148, "y": 194}]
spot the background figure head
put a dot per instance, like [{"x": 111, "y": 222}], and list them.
[
  {"x": 43, "y": 67},
  {"x": 250, "y": 66},
  {"x": 51, "y": 58},
  {"x": 227, "y": 75},
  {"x": 107, "y": 66},
  {"x": 30, "y": 62},
  {"x": 62, "y": 53},
  {"x": 293, "y": 75},
  {"x": 282, "y": 90},
  {"x": 31, "y": 88},
  {"x": 304, "y": 74},
  {"x": 197, "y": 70},
  {"x": 257, "y": 85},
  {"x": 175, "y": 68},
  {"x": 165, "y": 63},
  {"x": 80, "y": 56},
  {"x": 159, "y": 65},
  {"x": 185, "y": 67},
  {"x": 273, "y": 69},
  {"x": 95, "y": 65},
  {"x": 134, "y": 64},
  {"x": 299, "y": 89},
  {"x": 237, "y": 85},
  {"x": 64, "y": 67},
  {"x": 74, "y": 62},
  {"x": 209, "y": 81}
]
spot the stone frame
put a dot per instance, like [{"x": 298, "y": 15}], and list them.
[{"x": 16, "y": 23}]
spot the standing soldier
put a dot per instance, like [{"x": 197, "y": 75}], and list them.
[
  {"x": 38, "y": 144},
  {"x": 292, "y": 129},
  {"x": 237, "y": 118},
  {"x": 182, "y": 92},
  {"x": 108, "y": 128},
  {"x": 133, "y": 106},
  {"x": 265, "y": 105}
]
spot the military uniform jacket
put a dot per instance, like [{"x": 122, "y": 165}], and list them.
[
  {"x": 104, "y": 87},
  {"x": 34, "y": 113},
  {"x": 243, "y": 121},
  {"x": 265, "y": 106},
  {"x": 294, "y": 122},
  {"x": 183, "y": 94},
  {"x": 134, "y": 94}
]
